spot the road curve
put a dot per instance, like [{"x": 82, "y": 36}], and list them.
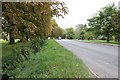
[{"x": 101, "y": 59}]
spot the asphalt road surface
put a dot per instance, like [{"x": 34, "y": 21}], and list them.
[{"x": 101, "y": 59}]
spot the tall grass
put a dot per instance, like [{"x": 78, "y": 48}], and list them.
[
  {"x": 53, "y": 61},
  {"x": 18, "y": 52}
]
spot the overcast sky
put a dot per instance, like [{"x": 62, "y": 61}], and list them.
[{"x": 81, "y": 10}]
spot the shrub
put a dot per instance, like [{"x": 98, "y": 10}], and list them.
[
  {"x": 19, "y": 52},
  {"x": 36, "y": 44}
]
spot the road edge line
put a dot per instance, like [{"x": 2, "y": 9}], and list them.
[{"x": 93, "y": 73}]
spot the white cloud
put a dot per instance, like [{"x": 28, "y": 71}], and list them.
[{"x": 81, "y": 10}]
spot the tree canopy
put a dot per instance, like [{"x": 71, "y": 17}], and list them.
[
  {"x": 102, "y": 23},
  {"x": 70, "y": 33},
  {"x": 25, "y": 20}
]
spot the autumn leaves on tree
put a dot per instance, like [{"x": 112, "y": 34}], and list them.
[{"x": 26, "y": 20}]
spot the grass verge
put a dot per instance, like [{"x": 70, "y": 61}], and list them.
[
  {"x": 53, "y": 61},
  {"x": 102, "y": 41}
]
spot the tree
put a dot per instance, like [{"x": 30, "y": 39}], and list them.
[
  {"x": 56, "y": 30},
  {"x": 115, "y": 21},
  {"x": 108, "y": 12},
  {"x": 54, "y": 26},
  {"x": 89, "y": 35},
  {"x": 102, "y": 22},
  {"x": 70, "y": 33},
  {"x": 29, "y": 19},
  {"x": 80, "y": 31},
  {"x": 96, "y": 23}
]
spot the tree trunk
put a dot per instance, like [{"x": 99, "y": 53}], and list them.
[
  {"x": 108, "y": 38},
  {"x": 11, "y": 37},
  {"x": 118, "y": 38},
  {"x": 12, "y": 40},
  {"x": 27, "y": 37}
]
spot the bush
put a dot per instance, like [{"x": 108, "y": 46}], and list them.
[
  {"x": 36, "y": 44},
  {"x": 19, "y": 52}
]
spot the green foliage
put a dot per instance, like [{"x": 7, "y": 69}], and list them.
[
  {"x": 18, "y": 53},
  {"x": 116, "y": 30},
  {"x": 102, "y": 22},
  {"x": 28, "y": 19},
  {"x": 89, "y": 35},
  {"x": 15, "y": 55},
  {"x": 4, "y": 36},
  {"x": 53, "y": 61},
  {"x": 80, "y": 31},
  {"x": 56, "y": 31},
  {"x": 36, "y": 44},
  {"x": 70, "y": 33}
]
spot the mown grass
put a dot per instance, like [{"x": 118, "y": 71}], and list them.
[
  {"x": 53, "y": 61},
  {"x": 101, "y": 41}
]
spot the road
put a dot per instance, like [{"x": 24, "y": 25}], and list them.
[{"x": 101, "y": 59}]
